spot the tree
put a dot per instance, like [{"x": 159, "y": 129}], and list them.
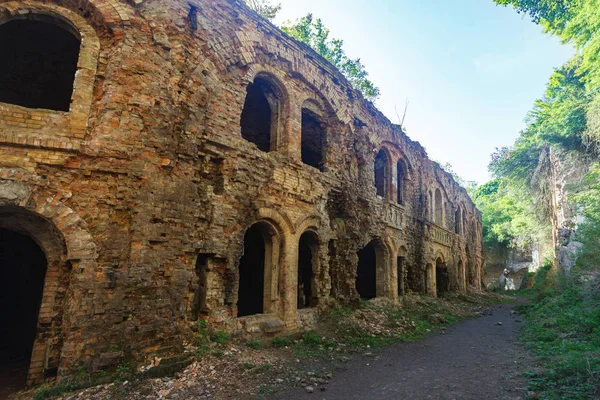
[
  {"x": 312, "y": 32},
  {"x": 264, "y": 8}
]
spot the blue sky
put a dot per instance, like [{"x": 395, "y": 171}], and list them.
[{"x": 470, "y": 69}]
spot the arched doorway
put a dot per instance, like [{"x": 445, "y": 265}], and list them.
[
  {"x": 252, "y": 273},
  {"x": 23, "y": 268},
  {"x": 371, "y": 271},
  {"x": 442, "y": 281},
  {"x": 308, "y": 255},
  {"x": 258, "y": 270},
  {"x": 39, "y": 62}
]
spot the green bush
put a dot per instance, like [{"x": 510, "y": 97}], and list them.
[
  {"x": 220, "y": 337},
  {"x": 311, "y": 338},
  {"x": 279, "y": 342},
  {"x": 253, "y": 343}
]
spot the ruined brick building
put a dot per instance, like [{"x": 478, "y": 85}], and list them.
[{"x": 168, "y": 160}]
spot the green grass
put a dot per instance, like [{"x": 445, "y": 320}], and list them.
[
  {"x": 59, "y": 389},
  {"x": 253, "y": 343},
  {"x": 563, "y": 329},
  {"x": 279, "y": 342}
]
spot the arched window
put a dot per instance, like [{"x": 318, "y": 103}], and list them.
[
  {"x": 260, "y": 118},
  {"x": 39, "y": 61},
  {"x": 439, "y": 208},
  {"x": 382, "y": 174},
  {"x": 313, "y": 136},
  {"x": 457, "y": 221},
  {"x": 402, "y": 179}
]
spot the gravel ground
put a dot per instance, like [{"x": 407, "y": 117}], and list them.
[{"x": 476, "y": 359}]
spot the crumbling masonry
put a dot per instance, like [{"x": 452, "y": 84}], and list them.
[{"x": 168, "y": 160}]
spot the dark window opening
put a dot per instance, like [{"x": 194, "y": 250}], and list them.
[
  {"x": 366, "y": 274},
  {"x": 260, "y": 114},
  {"x": 313, "y": 135},
  {"x": 381, "y": 173},
  {"x": 22, "y": 272},
  {"x": 439, "y": 208},
  {"x": 442, "y": 280},
  {"x": 457, "y": 221},
  {"x": 307, "y": 255},
  {"x": 39, "y": 61},
  {"x": 252, "y": 273},
  {"x": 193, "y": 18},
  {"x": 401, "y": 272},
  {"x": 400, "y": 183},
  {"x": 199, "y": 301}
]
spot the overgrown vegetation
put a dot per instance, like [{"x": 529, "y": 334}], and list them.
[
  {"x": 563, "y": 329},
  {"x": 563, "y": 319},
  {"x": 517, "y": 204}
]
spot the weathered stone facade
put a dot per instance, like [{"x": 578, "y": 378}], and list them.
[{"x": 202, "y": 145}]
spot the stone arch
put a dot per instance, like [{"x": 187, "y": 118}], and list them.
[
  {"x": 67, "y": 244},
  {"x": 382, "y": 168},
  {"x": 281, "y": 221},
  {"x": 111, "y": 14},
  {"x": 264, "y": 116},
  {"x": 308, "y": 222}
]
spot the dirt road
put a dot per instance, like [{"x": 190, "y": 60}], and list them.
[{"x": 476, "y": 359}]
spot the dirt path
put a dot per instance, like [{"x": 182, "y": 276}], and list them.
[{"x": 476, "y": 359}]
